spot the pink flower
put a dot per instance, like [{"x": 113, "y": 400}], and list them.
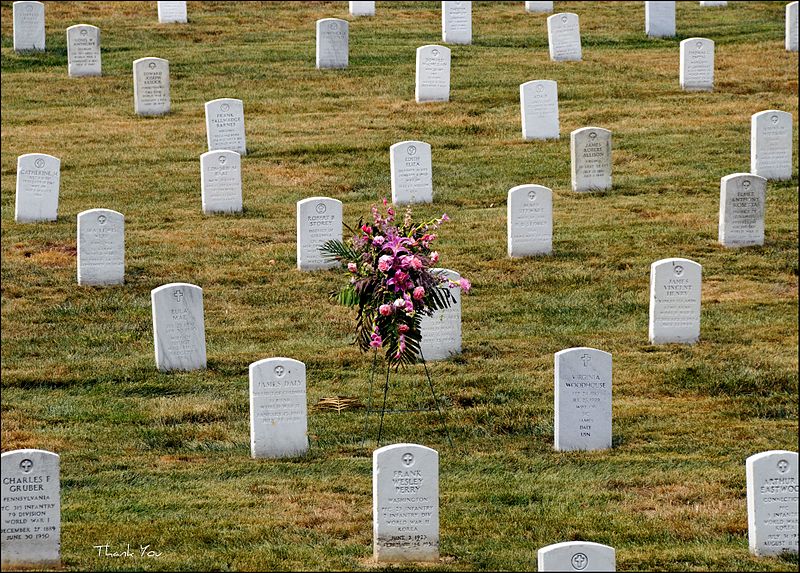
[
  {"x": 385, "y": 263},
  {"x": 379, "y": 240},
  {"x": 399, "y": 303},
  {"x": 366, "y": 228},
  {"x": 434, "y": 257},
  {"x": 416, "y": 263},
  {"x": 465, "y": 284},
  {"x": 419, "y": 293},
  {"x": 409, "y": 306},
  {"x": 405, "y": 261},
  {"x": 385, "y": 309},
  {"x": 375, "y": 340},
  {"x": 403, "y": 328},
  {"x": 445, "y": 217},
  {"x": 352, "y": 267}
]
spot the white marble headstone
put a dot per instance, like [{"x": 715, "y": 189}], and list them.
[
  {"x": 178, "y": 327},
  {"x": 577, "y": 556},
  {"x": 590, "y": 148},
  {"x": 225, "y": 125},
  {"x": 772, "y": 498},
  {"x": 697, "y": 64},
  {"x": 539, "y": 7},
  {"x": 31, "y": 514},
  {"x": 319, "y": 220},
  {"x": 172, "y": 12},
  {"x": 771, "y": 144},
  {"x": 333, "y": 41},
  {"x": 742, "y": 198},
  {"x": 278, "y": 409},
  {"x": 38, "y": 179},
  {"x": 405, "y": 503},
  {"x": 28, "y": 26},
  {"x": 221, "y": 181},
  {"x": 791, "y": 26},
  {"x": 412, "y": 174},
  {"x": 539, "y": 110},
  {"x": 362, "y": 8},
  {"x": 564, "y": 37},
  {"x": 457, "y": 22},
  {"x": 83, "y": 51},
  {"x": 441, "y": 332},
  {"x": 101, "y": 247},
  {"x": 675, "y": 293},
  {"x": 151, "y": 86},
  {"x": 713, "y": 4},
  {"x": 530, "y": 221},
  {"x": 659, "y": 19},
  {"x": 433, "y": 74}
]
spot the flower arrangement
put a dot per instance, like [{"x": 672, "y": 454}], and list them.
[{"x": 390, "y": 281}]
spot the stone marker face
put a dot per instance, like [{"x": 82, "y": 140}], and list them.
[
  {"x": 172, "y": 13},
  {"x": 659, "y": 19},
  {"x": 441, "y": 332},
  {"x": 564, "y": 36},
  {"x": 101, "y": 247},
  {"x": 31, "y": 515},
  {"x": 221, "y": 181},
  {"x": 38, "y": 180},
  {"x": 412, "y": 174},
  {"x": 577, "y": 556},
  {"x": 278, "y": 409},
  {"x": 539, "y": 110},
  {"x": 713, "y": 4},
  {"x": 675, "y": 291},
  {"x": 457, "y": 22},
  {"x": 772, "y": 496},
  {"x": 539, "y": 7},
  {"x": 742, "y": 197},
  {"x": 697, "y": 64},
  {"x": 151, "y": 86},
  {"x": 362, "y": 8},
  {"x": 319, "y": 220},
  {"x": 225, "y": 125},
  {"x": 333, "y": 40},
  {"x": 590, "y": 148},
  {"x": 791, "y": 27},
  {"x": 405, "y": 503},
  {"x": 530, "y": 221},
  {"x": 771, "y": 144},
  {"x": 178, "y": 327},
  {"x": 28, "y": 26},
  {"x": 83, "y": 50},
  {"x": 433, "y": 74}
]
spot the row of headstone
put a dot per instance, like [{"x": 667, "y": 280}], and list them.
[
  {"x": 742, "y": 202},
  {"x": 221, "y": 181},
  {"x": 83, "y": 51},
  {"x": 529, "y": 221},
  {"x": 675, "y": 292},
  {"x": 590, "y": 151},
  {"x": 538, "y": 102},
  {"x": 432, "y": 81},
  {"x": 151, "y": 86},
  {"x": 411, "y": 172}
]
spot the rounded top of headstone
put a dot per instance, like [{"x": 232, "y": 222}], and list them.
[
  {"x": 29, "y": 4},
  {"x": 29, "y": 452},
  {"x": 177, "y": 290},
  {"x": 277, "y": 367},
  {"x": 150, "y": 60},
  {"x": 772, "y": 115},
  {"x": 82, "y": 28},
  {"x": 583, "y": 350},
  {"x": 221, "y": 155},
  {"x": 539, "y": 85},
  {"x": 563, "y": 17},
  {"x": 578, "y": 556},
  {"x": 316, "y": 200},
  {"x": 447, "y": 273},
  {"x": 531, "y": 192},
  {"x": 784, "y": 460},
  {"x": 222, "y": 102},
  {"x": 415, "y": 450},
  {"x": 435, "y": 50},
  {"x": 679, "y": 265},
  {"x": 99, "y": 212},
  {"x": 332, "y": 24},
  {"x": 406, "y": 146},
  {"x": 39, "y": 159},
  {"x": 592, "y": 131},
  {"x": 748, "y": 179},
  {"x": 698, "y": 43}
]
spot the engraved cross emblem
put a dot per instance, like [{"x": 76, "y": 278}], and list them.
[
  {"x": 408, "y": 459},
  {"x": 586, "y": 359},
  {"x": 26, "y": 465},
  {"x": 783, "y": 466},
  {"x": 178, "y": 294},
  {"x": 580, "y": 561}
]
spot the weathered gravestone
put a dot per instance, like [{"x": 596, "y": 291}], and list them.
[
  {"x": 564, "y": 37},
  {"x": 772, "y": 500},
  {"x": 178, "y": 327},
  {"x": 151, "y": 86},
  {"x": 742, "y": 198},
  {"x": 530, "y": 221},
  {"x": 278, "y": 409},
  {"x": 221, "y": 181},
  {"x": 362, "y": 8},
  {"x": 172, "y": 12},
  {"x": 433, "y": 74},
  {"x": 101, "y": 247},
  {"x": 225, "y": 125},
  {"x": 457, "y": 22},
  {"x": 539, "y": 110},
  {"x": 675, "y": 292},
  {"x": 38, "y": 179},
  {"x": 319, "y": 220},
  {"x": 333, "y": 41},
  {"x": 441, "y": 332},
  {"x": 697, "y": 64},
  {"x": 412, "y": 174},
  {"x": 659, "y": 19},
  {"x": 539, "y": 7},
  {"x": 28, "y": 26},
  {"x": 590, "y": 148},
  {"x": 31, "y": 514},
  {"x": 83, "y": 51},
  {"x": 577, "y": 556},
  {"x": 405, "y": 503},
  {"x": 713, "y": 4},
  {"x": 771, "y": 144},
  {"x": 583, "y": 385},
  {"x": 791, "y": 27}
]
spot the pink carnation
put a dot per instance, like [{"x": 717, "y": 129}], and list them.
[
  {"x": 379, "y": 240},
  {"x": 416, "y": 263},
  {"x": 434, "y": 257},
  {"x": 375, "y": 340},
  {"x": 419, "y": 293},
  {"x": 385, "y": 309},
  {"x": 465, "y": 284},
  {"x": 403, "y": 328},
  {"x": 352, "y": 267},
  {"x": 385, "y": 263}
]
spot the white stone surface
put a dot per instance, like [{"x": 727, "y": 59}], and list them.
[
  {"x": 539, "y": 7},
  {"x": 221, "y": 181},
  {"x": 659, "y": 19},
  {"x": 457, "y": 22},
  {"x": 577, "y": 556},
  {"x": 539, "y": 110},
  {"x": 225, "y": 125},
  {"x": 319, "y": 220},
  {"x": 333, "y": 41},
  {"x": 590, "y": 148},
  {"x": 433, "y": 74},
  {"x": 411, "y": 172},
  {"x": 101, "y": 247},
  {"x": 675, "y": 293},
  {"x": 564, "y": 37},
  {"x": 791, "y": 27},
  {"x": 28, "y": 26},
  {"x": 178, "y": 327},
  {"x": 441, "y": 332},
  {"x": 530, "y": 221},
  {"x": 697, "y": 64},
  {"x": 172, "y": 12},
  {"x": 362, "y": 8},
  {"x": 31, "y": 513},
  {"x": 83, "y": 51},
  {"x": 771, "y": 144},
  {"x": 278, "y": 409},
  {"x": 405, "y": 503},
  {"x": 742, "y": 198},
  {"x": 151, "y": 86},
  {"x": 713, "y": 4},
  {"x": 38, "y": 180},
  {"x": 772, "y": 501}
]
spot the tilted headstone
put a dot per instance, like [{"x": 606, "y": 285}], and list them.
[
  {"x": 577, "y": 556},
  {"x": 742, "y": 198},
  {"x": 38, "y": 179},
  {"x": 178, "y": 327},
  {"x": 530, "y": 221},
  {"x": 101, "y": 247},
  {"x": 278, "y": 409},
  {"x": 433, "y": 74},
  {"x": 151, "y": 86},
  {"x": 405, "y": 503},
  {"x": 457, "y": 22},
  {"x": 564, "y": 37},
  {"x": 31, "y": 515},
  {"x": 319, "y": 220},
  {"x": 225, "y": 125},
  {"x": 771, "y": 144},
  {"x": 791, "y": 27},
  {"x": 441, "y": 332},
  {"x": 221, "y": 181},
  {"x": 333, "y": 41},
  {"x": 362, "y": 8},
  {"x": 713, "y": 4},
  {"x": 697, "y": 64},
  {"x": 539, "y": 110},
  {"x": 590, "y": 148},
  {"x": 772, "y": 498},
  {"x": 28, "y": 26},
  {"x": 659, "y": 19},
  {"x": 675, "y": 292},
  {"x": 83, "y": 51},
  {"x": 172, "y": 13},
  {"x": 539, "y": 7},
  {"x": 411, "y": 172}
]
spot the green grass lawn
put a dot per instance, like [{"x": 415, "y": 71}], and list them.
[{"x": 163, "y": 459}]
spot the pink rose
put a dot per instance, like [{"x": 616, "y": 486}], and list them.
[
  {"x": 352, "y": 267},
  {"x": 419, "y": 293},
  {"x": 409, "y": 307},
  {"x": 434, "y": 257},
  {"x": 385, "y": 263},
  {"x": 379, "y": 240},
  {"x": 366, "y": 228},
  {"x": 385, "y": 309},
  {"x": 403, "y": 328},
  {"x": 416, "y": 263},
  {"x": 465, "y": 285}
]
